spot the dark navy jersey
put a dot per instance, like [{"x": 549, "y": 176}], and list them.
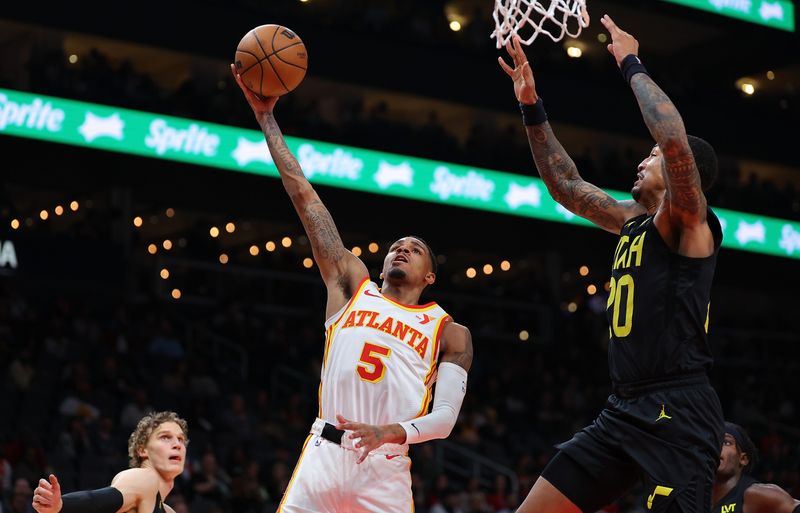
[
  {"x": 658, "y": 305},
  {"x": 159, "y": 504},
  {"x": 733, "y": 502}
]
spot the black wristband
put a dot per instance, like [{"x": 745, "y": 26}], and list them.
[
  {"x": 630, "y": 66},
  {"x": 104, "y": 500},
  {"x": 533, "y": 114}
]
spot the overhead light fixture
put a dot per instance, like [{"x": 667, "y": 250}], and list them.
[
  {"x": 574, "y": 48},
  {"x": 574, "y": 52},
  {"x": 747, "y": 85}
]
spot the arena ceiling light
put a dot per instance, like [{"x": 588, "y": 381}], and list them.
[{"x": 747, "y": 85}]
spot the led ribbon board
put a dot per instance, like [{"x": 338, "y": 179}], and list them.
[
  {"x": 237, "y": 149},
  {"x": 777, "y": 14}
]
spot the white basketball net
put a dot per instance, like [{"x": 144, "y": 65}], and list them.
[{"x": 511, "y": 17}]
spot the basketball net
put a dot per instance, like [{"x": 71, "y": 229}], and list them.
[{"x": 514, "y": 16}]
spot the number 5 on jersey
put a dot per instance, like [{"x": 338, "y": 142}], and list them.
[{"x": 373, "y": 369}]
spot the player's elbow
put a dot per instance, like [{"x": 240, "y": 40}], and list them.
[{"x": 301, "y": 192}]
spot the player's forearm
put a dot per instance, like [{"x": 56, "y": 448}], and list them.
[
  {"x": 294, "y": 181},
  {"x": 563, "y": 181},
  {"x": 104, "y": 500},
  {"x": 554, "y": 164},
  {"x": 326, "y": 244},
  {"x": 660, "y": 115},
  {"x": 451, "y": 386}
]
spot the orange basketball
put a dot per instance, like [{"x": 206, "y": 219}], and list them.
[{"x": 271, "y": 60}]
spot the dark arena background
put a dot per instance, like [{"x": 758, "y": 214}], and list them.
[{"x": 150, "y": 259}]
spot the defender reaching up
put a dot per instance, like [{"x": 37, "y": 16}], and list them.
[
  {"x": 663, "y": 421},
  {"x": 383, "y": 351}
]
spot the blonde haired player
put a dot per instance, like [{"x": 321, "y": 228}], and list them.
[
  {"x": 157, "y": 454},
  {"x": 382, "y": 353}
]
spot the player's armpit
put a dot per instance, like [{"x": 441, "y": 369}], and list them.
[
  {"x": 567, "y": 187},
  {"x": 457, "y": 345},
  {"x": 769, "y": 498}
]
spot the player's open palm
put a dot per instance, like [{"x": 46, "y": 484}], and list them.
[
  {"x": 260, "y": 105},
  {"x": 622, "y": 43},
  {"x": 521, "y": 74},
  {"x": 47, "y": 496}
]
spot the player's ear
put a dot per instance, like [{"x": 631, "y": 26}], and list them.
[
  {"x": 430, "y": 278},
  {"x": 744, "y": 459}
]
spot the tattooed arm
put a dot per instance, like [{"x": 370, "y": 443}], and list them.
[
  {"x": 556, "y": 167},
  {"x": 685, "y": 199},
  {"x": 681, "y": 217},
  {"x": 341, "y": 270},
  {"x": 566, "y": 186}
]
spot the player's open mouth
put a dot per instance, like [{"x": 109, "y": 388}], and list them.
[
  {"x": 400, "y": 259},
  {"x": 175, "y": 458}
]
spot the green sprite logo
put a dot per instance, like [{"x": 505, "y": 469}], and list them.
[
  {"x": 37, "y": 115},
  {"x": 470, "y": 186},
  {"x": 339, "y": 163},
  {"x": 192, "y": 141}
]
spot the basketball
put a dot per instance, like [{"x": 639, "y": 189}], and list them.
[{"x": 271, "y": 60}]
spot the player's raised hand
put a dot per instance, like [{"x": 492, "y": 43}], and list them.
[
  {"x": 47, "y": 496},
  {"x": 260, "y": 105},
  {"x": 521, "y": 74},
  {"x": 622, "y": 43},
  {"x": 371, "y": 437}
]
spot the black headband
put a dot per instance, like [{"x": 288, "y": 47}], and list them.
[
  {"x": 733, "y": 430},
  {"x": 743, "y": 444}
]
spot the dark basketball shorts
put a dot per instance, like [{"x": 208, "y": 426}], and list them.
[{"x": 668, "y": 439}]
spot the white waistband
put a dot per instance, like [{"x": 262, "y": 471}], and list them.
[{"x": 347, "y": 443}]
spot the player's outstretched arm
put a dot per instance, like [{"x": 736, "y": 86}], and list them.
[
  {"x": 555, "y": 166},
  {"x": 768, "y": 498},
  {"x": 687, "y": 203},
  {"x": 341, "y": 270},
  {"x": 128, "y": 489}
]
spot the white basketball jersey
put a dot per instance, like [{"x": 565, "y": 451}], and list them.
[{"x": 380, "y": 359}]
